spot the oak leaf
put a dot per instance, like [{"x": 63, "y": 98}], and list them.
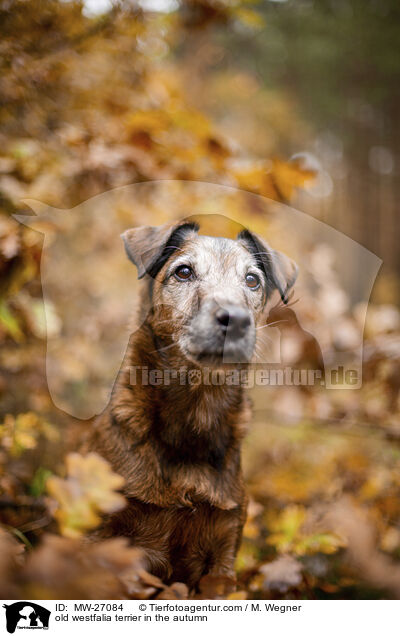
[{"x": 88, "y": 490}]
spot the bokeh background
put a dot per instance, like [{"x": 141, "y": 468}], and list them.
[{"x": 296, "y": 102}]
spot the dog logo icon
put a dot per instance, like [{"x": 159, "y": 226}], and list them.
[{"x": 26, "y": 615}]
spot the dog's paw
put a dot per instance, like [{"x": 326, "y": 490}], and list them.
[
  {"x": 216, "y": 586},
  {"x": 175, "y": 592}
]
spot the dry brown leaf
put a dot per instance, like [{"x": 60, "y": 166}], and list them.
[{"x": 282, "y": 574}]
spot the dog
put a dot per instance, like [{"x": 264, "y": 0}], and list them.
[{"x": 177, "y": 444}]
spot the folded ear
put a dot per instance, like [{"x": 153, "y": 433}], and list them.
[
  {"x": 149, "y": 248},
  {"x": 280, "y": 270}
]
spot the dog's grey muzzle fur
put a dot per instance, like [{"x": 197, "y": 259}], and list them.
[{"x": 221, "y": 333}]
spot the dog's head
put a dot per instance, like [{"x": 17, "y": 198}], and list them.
[{"x": 208, "y": 293}]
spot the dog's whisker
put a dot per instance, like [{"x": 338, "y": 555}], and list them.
[
  {"x": 280, "y": 303},
  {"x": 163, "y": 348},
  {"x": 174, "y": 247},
  {"x": 271, "y": 324},
  {"x": 262, "y": 254},
  {"x": 264, "y": 340},
  {"x": 160, "y": 322},
  {"x": 260, "y": 344},
  {"x": 258, "y": 356},
  {"x": 164, "y": 334},
  {"x": 289, "y": 304}
]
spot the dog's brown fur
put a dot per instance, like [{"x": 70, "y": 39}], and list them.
[{"x": 178, "y": 447}]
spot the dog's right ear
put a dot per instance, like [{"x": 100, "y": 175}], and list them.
[{"x": 149, "y": 247}]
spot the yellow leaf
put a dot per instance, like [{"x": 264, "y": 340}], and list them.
[
  {"x": 88, "y": 490},
  {"x": 249, "y": 17},
  {"x": 21, "y": 433},
  {"x": 289, "y": 175}
]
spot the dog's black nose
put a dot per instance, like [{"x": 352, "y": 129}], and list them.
[{"x": 233, "y": 320}]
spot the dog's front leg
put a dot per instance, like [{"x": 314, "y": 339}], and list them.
[
  {"x": 225, "y": 540},
  {"x": 157, "y": 562},
  {"x": 224, "y": 561}
]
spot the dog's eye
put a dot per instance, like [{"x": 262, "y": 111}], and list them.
[
  {"x": 183, "y": 272},
  {"x": 252, "y": 281}
]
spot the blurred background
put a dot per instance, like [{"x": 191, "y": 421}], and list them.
[{"x": 289, "y": 102}]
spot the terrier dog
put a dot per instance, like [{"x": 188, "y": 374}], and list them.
[{"x": 177, "y": 443}]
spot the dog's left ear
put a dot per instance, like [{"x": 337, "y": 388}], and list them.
[
  {"x": 280, "y": 270},
  {"x": 149, "y": 248}
]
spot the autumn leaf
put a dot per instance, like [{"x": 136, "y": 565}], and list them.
[
  {"x": 249, "y": 17},
  {"x": 289, "y": 535},
  {"x": 285, "y": 527},
  {"x": 10, "y": 324},
  {"x": 62, "y": 567},
  {"x": 323, "y": 542},
  {"x": 11, "y": 559},
  {"x": 88, "y": 490},
  {"x": 22, "y": 432},
  {"x": 287, "y": 176},
  {"x": 281, "y": 574}
]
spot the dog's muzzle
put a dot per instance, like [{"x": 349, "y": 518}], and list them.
[
  {"x": 233, "y": 321},
  {"x": 222, "y": 334}
]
